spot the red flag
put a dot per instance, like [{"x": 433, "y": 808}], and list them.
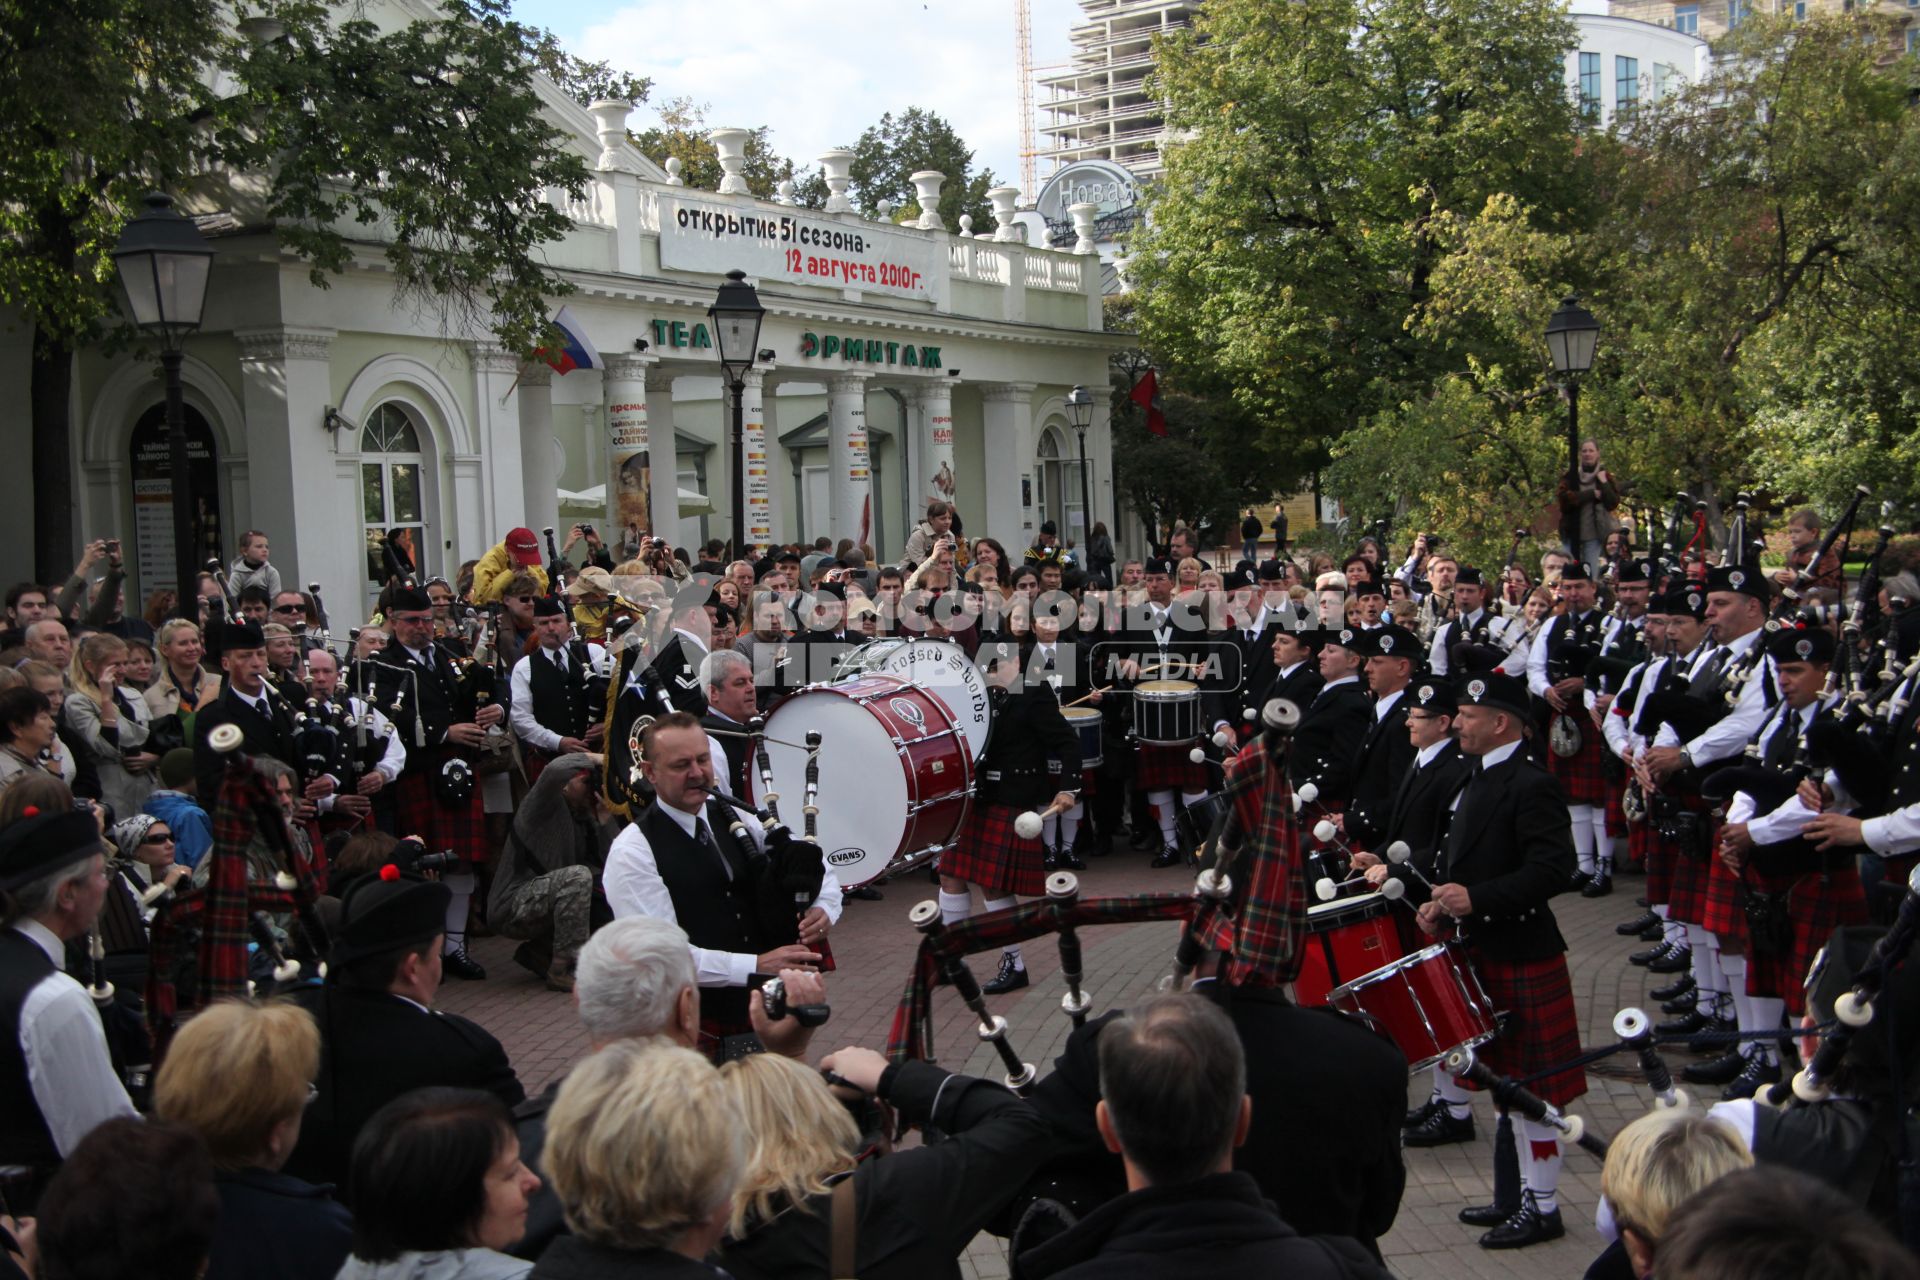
[{"x": 1146, "y": 394}]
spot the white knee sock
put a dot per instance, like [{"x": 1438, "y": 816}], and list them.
[
  {"x": 1162, "y": 802},
  {"x": 1001, "y": 904},
  {"x": 1602, "y": 842},
  {"x": 1735, "y": 970},
  {"x": 1768, "y": 1012},
  {"x": 955, "y": 906},
  {"x": 1050, "y": 832},
  {"x": 1450, "y": 1091},
  {"x": 1722, "y": 1003},
  {"x": 1070, "y": 824},
  {"x": 1539, "y": 1161},
  {"x": 461, "y": 885},
  {"x": 1581, "y": 816},
  {"x": 1191, "y": 798}
]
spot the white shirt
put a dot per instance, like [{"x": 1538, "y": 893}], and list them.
[
  {"x": 1537, "y": 655},
  {"x": 1729, "y": 735},
  {"x": 1425, "y": 755},
  {"x": 1335, "y": 684},
  {"x": 68, "y": 1065},
  {"x": 1787, "y": 821},
  {"x": 1438, "y": 659},
  {"x": 525, "y": 727},
  {"x": 392, "y": 760},
  {"x": 1384, "y": 707},
  {"x": 634, "y": 888}
]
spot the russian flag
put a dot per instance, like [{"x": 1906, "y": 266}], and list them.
[{"x": 575, "y": 352}]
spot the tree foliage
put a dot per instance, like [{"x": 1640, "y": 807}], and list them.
[
  {"x": 896, "y": 147},
  {"x": 682, "y": 135}
]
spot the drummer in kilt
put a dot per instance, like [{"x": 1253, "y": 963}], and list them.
[
  {"x": 1029, "y": 735},
  {"x": 1508, "y": 850},
  {"x": 425, "y": 693}
]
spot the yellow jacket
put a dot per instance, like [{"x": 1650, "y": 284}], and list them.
[{"x": 491, "y": 573}]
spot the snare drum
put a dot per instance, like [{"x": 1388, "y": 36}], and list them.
[
  {"x": 1430, "y": 1002},
  {"x": 1086, "y": 722},
  {"x": 1166, "y": 713},
  {"x": 896, "y": 771},
  {"x": 1345, "y": 939}
]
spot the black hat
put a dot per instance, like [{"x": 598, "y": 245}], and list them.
[
  {"x": 1633, "y": 571},
  {"x": 1369, "y": 587},
  {"x": 1350, "y": 638},
  {"x": 1494, "y": 689},
  {"x": 1688, "y": 601},
  {"x": 1467, "y": 577},
  {"x": 1435, "y": 697},
  {"x": 387, "y": 912},
  {"x": 241, "y": 635},
  {"x": 548, "y": 607},
  {"x": 1158, "y": 564},
  {"x": 1269, "y": 571},
  {"x": 1049, "y": 527},
  {"x": 787, "y": 557},
  {"x": 412, "y": 599},
  {"x": 1393, "y": 641},
  {"x": 39, "y": 844},
  {"x": 1314, "y": 638},
  {"x": 1235, "y": 580},
  {"x": 1742, "y": 579},
  {"x": 1575, "y": 571},
  {"x": 1797, "y": 644}
]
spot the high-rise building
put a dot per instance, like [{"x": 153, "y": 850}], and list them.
[{"x": 1099, "y": 109}]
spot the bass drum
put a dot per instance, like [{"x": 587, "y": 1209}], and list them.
[
  {"x": 896, "y": 772},
  {"x": 940, "y": 666}
]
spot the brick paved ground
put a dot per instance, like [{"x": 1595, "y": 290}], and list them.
[{"x": 874, "y": 941}]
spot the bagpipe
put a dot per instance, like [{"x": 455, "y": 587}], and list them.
[{"x": 793, "y": 868}]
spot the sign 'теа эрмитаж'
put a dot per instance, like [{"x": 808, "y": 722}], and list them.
[{"x": 795, "y": 246}]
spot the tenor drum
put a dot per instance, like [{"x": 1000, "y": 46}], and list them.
[
  {"x": 896, "y": 771},
  {"x": 1430, "y": 1003},
  {"x": 939, "y": 666},
  {"x": 1345, "y": 939},
  {"x": 1087, "y": 723},
  {"x": 1166, "y": 713}
]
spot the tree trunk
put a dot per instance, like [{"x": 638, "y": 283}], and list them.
[{"x": 50, "y": 396}]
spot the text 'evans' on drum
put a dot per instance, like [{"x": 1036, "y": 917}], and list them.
[
  {"x": 940, "y": 666},
  {"x": 1166, "y": 713},
  {"x": 1430, "y": 1003},
  {"x": 1345, "y": 939},
  {"x": 896, "y": 772}
]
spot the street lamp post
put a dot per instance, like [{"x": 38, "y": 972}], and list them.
[
  {"x": 1080, "y": 413},
  {"x": 736, "y": 314},
  {"x": 1572, "y": 334},
  {"x": 163, "y": 263}
]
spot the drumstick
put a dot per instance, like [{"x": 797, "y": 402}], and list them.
[
  {"x": 1401, "y": 856},
  {"x": 1028, "y": 825},
  {"x": 1327, "y": 887},
  {"x": 1087, "y": 697},
  {"x": 1063, "y": 890}
]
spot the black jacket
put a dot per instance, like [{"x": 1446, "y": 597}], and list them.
[
  {"x": 919, "y": 1207},
  {"x": 1217, "y": 1227},
  {"x": 1028, "y": 731},
  {"x": 1511, "y": 844},
  {"x": 1297, "y": 686},
  {"x": 269, "y": 735},
  {"x": 374, "y": 1047},
  {"x": 571, "y": 1258},
  {"x": 1422, "y": 806},
  {"x": 1250, "y": 686},
  {"x": 1327, "y": 742},
  {"x": 272, "y": 1224},
  {"x": 1385, "y": 756}
]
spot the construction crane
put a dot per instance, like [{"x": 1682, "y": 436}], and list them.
[{"x": 1023, "y": 40}]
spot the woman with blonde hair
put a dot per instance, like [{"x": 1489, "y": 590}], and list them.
[
  {"x": 1533, "y": 617},
  {"x": 240, "y": 1075},
  {"x": 914, "y": 1211},
  {"x": 643, "y": 1150},
  {"x": 111, "y": 722},
  {"x": 1653, "y": 1167}
]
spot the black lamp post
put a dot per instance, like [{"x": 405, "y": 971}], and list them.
[
  {"x": 164, "y": 264},
  {"x": 1572, "y": 334},
  {"x": 736, "y": 314},
  {"x": 1080, "y": 413}
]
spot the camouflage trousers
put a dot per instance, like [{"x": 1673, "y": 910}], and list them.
[{"x": 552, "y": 908}]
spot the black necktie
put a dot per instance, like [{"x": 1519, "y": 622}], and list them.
[
  {"x": 705, "y": 835},
  {"x": 1780, "y": 747}
]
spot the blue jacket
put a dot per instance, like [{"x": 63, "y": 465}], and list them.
[
  {"x": 192, "y": 830},
  {"x": 273, "y": 1224}
]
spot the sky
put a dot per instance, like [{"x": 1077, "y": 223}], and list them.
[{"x": 820, "y": 71}]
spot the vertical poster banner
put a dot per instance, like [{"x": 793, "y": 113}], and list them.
[
  {"x": 938, "y": 465},
  {"x": 151, "y": 469},
  {"x": 629, "y": 471},
  {"x": 753, "y": 413}
]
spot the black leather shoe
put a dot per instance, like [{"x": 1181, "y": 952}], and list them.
[
  {"x": 1050, "y": 858},
  {"x": 1071, "y": 861},
  {"x": 1437, "y": 1130},
  {"x": 1418, "y": 1115},
  {"x": 535, "y": 957},
  {"x": 866, "y": 893},
  {"x": 1486, "y": 1215},
  {"x": 1680, "y": 986},
  {"x": 458, "y": 964},
  {"x": 1653, "y": 932},
  {"x": 1144, "y": 840},
  {"x": 1724, "y": 1069},
  {"x": 1167, "y": 857},
  {"x": 1010, "y": 978},
  {"x": 1641, "y": 902},
  {"x": 1677, "y": 960},
  {"x": 1581, "y": 879},
  {"x": 1687, "y": 1024},
  {"x": 1717, "y": 1036},
  {"x": 1527, "y": 1226},
  {"x": 1600, "y": 886},
  {"x": 1639, "y": 924},
  {"x": 1680, "y": 1004},
  {"x": 1647, "y": 957},
  {"x": 1758, "y": 1074}
]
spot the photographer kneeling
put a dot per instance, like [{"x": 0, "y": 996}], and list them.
[{"x": 543, "y": 884}]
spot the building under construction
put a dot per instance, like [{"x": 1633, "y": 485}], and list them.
[{"x": 1099, "y": 108}]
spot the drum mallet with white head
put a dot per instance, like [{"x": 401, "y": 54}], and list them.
[
  {"x": 1029, "y": 824},
  {"x": 993, "y": 1027},
  {"x": 1400, "y": 855},
  {"x": 1326, "y": 888}
]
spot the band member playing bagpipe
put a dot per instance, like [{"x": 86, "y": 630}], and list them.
[
  {"x": 371, "y": 752},
  {"x": 554, "y": 710},
  {"x": 1623, "y": 645},
  {"x": 1556, "y": 673},
  {"x": 729, "y": 881},
  {"x": 1507, "y": 852},
  {"x": 1795, "y": 896},
  {"x": 1870, "y": 798},
  {"x": 647, "y": 682},
  {"x": 247, "y": 702},
  {"x": 1423, "y": 797},
  {"x": 1472, "y": 624},
  {"x": 427, "y": 687},
  {"x": 1029, "y": 734}
]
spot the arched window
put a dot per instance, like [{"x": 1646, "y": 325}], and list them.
[
  {"x": 392, "y": 491},
  {"x": 1060, "y": 497}
]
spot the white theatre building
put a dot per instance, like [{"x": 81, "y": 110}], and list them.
[{"x": 897, "y": 363}]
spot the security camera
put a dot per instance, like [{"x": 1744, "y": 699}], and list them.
[
  {"x": 641, "y": 344},
  {"x": 334, "y": 420}
]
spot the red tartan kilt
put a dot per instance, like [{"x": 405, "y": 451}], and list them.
[
  {"x": 1581, "y": 775},
  {"x": 1722, "y": 905},
  {"x": 992, "y": 855},
  {"x": 1817, "y": 909},
  {"x": 1686, "y": 899},
  {"x": 1167, "y": 769},
  {"x": 1540, "y": 1028},
  {"x": 1616, "y": 816},
  {"x": 419, "y": 812}
]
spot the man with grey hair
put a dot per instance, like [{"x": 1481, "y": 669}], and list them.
[
  {"x": 49, "y": 641},
  {"x": 57, "y": 1080},
  {"x": 731, "y": 703},
  {"x": 635, "y": 980}
]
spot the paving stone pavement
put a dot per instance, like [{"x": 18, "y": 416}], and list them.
[{"x": 873, "y": 943}]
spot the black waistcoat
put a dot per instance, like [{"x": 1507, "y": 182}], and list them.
[
  {"x": 716, "y": 910},
  {"x": 559, "y": 699},
  {"x": 24, "y": 1136}
]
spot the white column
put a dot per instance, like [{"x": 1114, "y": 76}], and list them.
[
  {"x": 629, "y": 466},
  {"x": 666, "y": 465},
  {"x": 1007, "y": 449},
  {"x": 537, "y": 486},
  {"x": 495, "y": 371},
  {"x": 297, "y": 495},
  {"x": 934, "y": 456},
  {"x": 849, "y": 470},
  {"x": 1100, "y": 459},
  {"x": 759, "y": 481},
  {"x": 779, "y": 473}
]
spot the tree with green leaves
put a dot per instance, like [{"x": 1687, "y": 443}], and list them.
[
  {"x": 427, "y": 139},
  {"x": 682, "y": 135},
  {"x": 889, "y": 152}
]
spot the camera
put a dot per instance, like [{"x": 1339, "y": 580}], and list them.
[
  {"x": 411, "y": 855},
  {"x": 774, "y": 993},
  {"x": 586, "y": 531}
]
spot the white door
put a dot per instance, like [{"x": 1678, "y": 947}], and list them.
[{"x": 816, "y": 512}]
